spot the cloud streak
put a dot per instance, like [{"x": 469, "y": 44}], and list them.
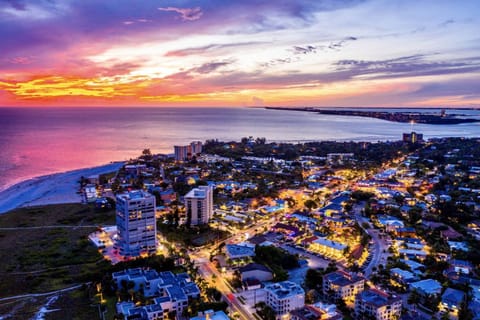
[{"x": 186, "y": 14}]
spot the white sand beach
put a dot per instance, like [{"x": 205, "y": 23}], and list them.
[{"x": 50, "y": 189}]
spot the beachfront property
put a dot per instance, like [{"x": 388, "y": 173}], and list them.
[
  {"x": 412, "y": 137},
  {"x": 183, "y": 153},
  {"x": 378, "y": 305},
  {"x": 199, "y": 205},
  {"x": 136, "y": 223},
  {"x": 342, "y": 285},
  {"x": 284, "y": 297},
  {"x": 169, "y": 292}
]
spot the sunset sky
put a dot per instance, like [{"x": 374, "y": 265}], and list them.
[{"x": 240, "y": 53}]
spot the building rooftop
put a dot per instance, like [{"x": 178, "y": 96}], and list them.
[
  {"x": 236, "y": 250},
  {"x": 342, "y": 278},
  {"x": 377, "y": 298},
  {"x": 200, "y": 192},
  {"x": 284, "y": 289},
  {"x": 428, "y": 286},
  {"x": 211, "y": 315},
  {"x": 453, "y": 297},
  {"x": 135, "y": 194},
  {"x": 254, "y": 267},
  {"x": 403, "y": 274},
  {"x": 330, "y": 243}
]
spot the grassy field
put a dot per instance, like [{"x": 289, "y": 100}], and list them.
[{"x": 46, "y": 258}]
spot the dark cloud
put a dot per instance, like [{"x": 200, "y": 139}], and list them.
[
  {"x": 308, "y": 49},
  {"x": 304, "y": 50},
  {"x": 210, "y": 67}
]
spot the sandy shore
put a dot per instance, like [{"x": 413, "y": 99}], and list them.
[{"x": 50, "y": 189}]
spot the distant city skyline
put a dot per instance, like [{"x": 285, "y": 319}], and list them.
[{"x": 370, "y": 53}]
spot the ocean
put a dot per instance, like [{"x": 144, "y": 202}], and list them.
[{"x": 40, "y": 141}]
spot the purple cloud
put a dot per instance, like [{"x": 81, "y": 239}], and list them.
[
  {"x": 187, "y": 14},
  {"x": 17, "y": 4}
]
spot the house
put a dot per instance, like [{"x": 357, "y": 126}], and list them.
[
  {"x": 316, "y": 311},
  {"x": 403, "y": 276},
  {"x": 458, "y": 245},
  {"x": 427, "y": 287},
  {"x": 287, "y": 230},
  {"x": 328, "y": 247},
  {"x": 406, "y": 232},
  {"x": 378, "y": 305},
  {"x": 211, "y": 315},
  {"x": 390, "y": 223},
  {"x": 451, "y": 301},
  {"x": 168, "y": 291},
  {"x": 255, "y": 271},
  {"x": 343, "y": 285},
  {"x": 284, "y": 297},
  {"x": 461, "y": 266},
  {"x": 259, "y": 241},
  {"x": 417, "y": 268},
  {"x": 239, "y": 251}
]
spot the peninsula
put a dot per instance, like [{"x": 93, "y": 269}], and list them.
[{"x": 404, "y": 116}]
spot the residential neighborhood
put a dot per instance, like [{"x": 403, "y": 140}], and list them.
[{"x": 257, "y": 230}]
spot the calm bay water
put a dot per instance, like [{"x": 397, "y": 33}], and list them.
[{"x": 39, "y": 141}]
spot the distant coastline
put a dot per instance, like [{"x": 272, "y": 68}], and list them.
[{"x": 403, "y": 117}]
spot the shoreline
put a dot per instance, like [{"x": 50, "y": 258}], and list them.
[{"x": 55, "y": 188}]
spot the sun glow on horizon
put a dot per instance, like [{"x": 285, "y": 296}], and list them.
[{"x": 279, "y": 54}]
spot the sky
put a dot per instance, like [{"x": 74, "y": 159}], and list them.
[{"x": 376, "y": 53}]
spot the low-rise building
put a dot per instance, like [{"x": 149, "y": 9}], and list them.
[
  {"x": 284, "y": 297},
  {"x": 343, "y": 285},
  {"x": 328, "y": 247},
  {"x": 451, "y": 301},
  {"x": 427, "y": 287},
  {"x": 316, "y": 311},
  {"x": 255, "y": 271},
  {"x": 402, "y": 276},
  {"x": 239, "y": 251},
  {"x": 170, "y": 292},
  {"x": 211, "y": 315},
  {"x": 378, "y": 304}
]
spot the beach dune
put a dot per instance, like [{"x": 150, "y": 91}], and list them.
[{"x": 50, "y": 189}]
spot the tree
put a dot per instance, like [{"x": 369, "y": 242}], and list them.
[
  {"x": 310, "y": 204},
  {"x": 311, "y": 296},
  {"x": 414, "y": 298},
  {"x": 265, "y": 311},
  {"x": 314, "y": 279},
  {"x": 464, "y": 312}
]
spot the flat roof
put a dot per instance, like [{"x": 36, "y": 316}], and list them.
[
  {"x": 135, "y": 194},
  {"x": 429, "y": 286},
  {"x": 330, "y": 243},
  {"x": 284, "y": 289}
]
